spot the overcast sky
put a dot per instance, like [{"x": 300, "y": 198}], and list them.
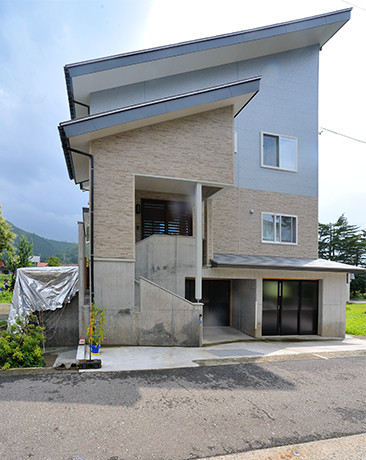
[{"x": 37, "y": 38}]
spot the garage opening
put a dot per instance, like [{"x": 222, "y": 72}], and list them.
[
  {"x": 290, "y": 307},
  {"x": 216, "y": 299}
]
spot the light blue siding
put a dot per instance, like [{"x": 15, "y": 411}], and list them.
[{"x": 287, "y": 104}]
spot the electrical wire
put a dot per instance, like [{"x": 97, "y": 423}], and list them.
[
  {"x": 354, "y": 5},
  {"x": 343, "y": 135}
]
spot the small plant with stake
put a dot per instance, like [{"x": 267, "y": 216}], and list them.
[{"x": 95, "y": 330}]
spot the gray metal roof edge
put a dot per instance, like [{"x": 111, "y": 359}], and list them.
[
  {"x": 342, "y": 268},
  {"x": 289, "y": 268},
  {"x": 70, "y": 93},
  {"x": 253, "y": 83},
  {"x": 91, "y": 66}
]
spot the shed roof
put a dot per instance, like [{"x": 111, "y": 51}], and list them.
[
  {"x": 281, "y": 263},
  {"x": 83, "y": 78},
  {"x": 76, "y": 134}
]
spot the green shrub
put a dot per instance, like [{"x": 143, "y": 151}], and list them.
[{"x": 21, "y": 345}]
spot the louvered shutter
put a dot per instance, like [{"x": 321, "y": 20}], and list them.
[
  {"x": 169, "y": 217},
  {"x": 153, "y": 217},
  {"x": 179, "y": 220}
]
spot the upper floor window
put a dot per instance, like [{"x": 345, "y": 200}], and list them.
[
  {"x": 279, "y": 152},
  {"x": 278, "y": 228}
]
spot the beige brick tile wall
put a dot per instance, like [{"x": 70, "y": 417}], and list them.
[
  {"x": 237, "y": 231},
  {"x": 198, "y": 147}
]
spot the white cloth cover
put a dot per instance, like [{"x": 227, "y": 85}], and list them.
[{"x": 42, "y": 288}]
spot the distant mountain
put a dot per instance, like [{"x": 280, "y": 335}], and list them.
[
  {"x": 69, "y": 255},
  {"x": 44, "y": 247}
]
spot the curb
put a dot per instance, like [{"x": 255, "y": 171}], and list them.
[
  {"x": 17, "y": 371},
  {"x": 279, "y": 358}
]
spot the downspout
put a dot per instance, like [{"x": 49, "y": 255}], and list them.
[{"x": 91, "y": 211}]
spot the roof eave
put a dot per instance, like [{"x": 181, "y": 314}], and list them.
[
  {"x": 309, "y": 265},
  {"x": 241, "y": 91},
  {"x": 189, "y": 48},
  {"x": 67, "y": 152},
  {"x": 197, "y": 43}
]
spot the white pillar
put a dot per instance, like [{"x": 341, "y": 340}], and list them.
[{"x": 198, "y": 280}]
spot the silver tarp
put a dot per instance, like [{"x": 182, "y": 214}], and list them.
[{"x": 42, "y": 288}]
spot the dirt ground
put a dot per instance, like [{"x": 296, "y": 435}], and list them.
[{"x": 4, "y": 308}]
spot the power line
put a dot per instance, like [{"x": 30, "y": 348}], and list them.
[
  {"x": 352, "y": 4},
  {"x": 343, "y": 135}
]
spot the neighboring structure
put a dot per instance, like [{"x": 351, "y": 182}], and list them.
[
  {"x": 3, "y": 269},
  {"x": 201, "y": 160},
  {"x": 36, "y": 261}
]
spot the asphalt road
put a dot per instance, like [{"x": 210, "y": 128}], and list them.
[{"x": 182, "y": 413}]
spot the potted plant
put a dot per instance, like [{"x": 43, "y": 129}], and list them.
[{"x": 95, "y": 330}]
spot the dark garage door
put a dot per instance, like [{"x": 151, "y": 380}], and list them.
[
  {"x": 215, "y": 299},
  {"x": 290, "y": 307}
]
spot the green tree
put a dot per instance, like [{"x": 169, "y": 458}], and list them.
[
  {"x": 6, "y": 235},
  {"x": 344, "y": 243},
  {"x": 53, "y": 261},
  {"x": 19, "y": 257},
  {"x": 25, "y": 252}
]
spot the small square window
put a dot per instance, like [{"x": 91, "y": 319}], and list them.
[
  {"x": 279, "y": 152},
  {"x": 278, "y": 228}
]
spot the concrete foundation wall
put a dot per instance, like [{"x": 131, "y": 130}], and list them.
[
  {"x": 167, "y": 260},
  {"x": 158, "y": 317},
  {"x": 243, "y": 306},
  {"x": 167, "y": 319},
  {"x": 115, "y": 291},
  {"x": 162, "y": 317},
  {"x": 332, "y": 308}
]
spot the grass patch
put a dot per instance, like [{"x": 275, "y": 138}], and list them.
[
  {"x": 5, "y": 296},
  {"x": 3, "y": 278},
  {"x": 356, "y": 319}
]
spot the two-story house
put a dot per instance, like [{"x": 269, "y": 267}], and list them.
[{"x": 201, "y": 162}]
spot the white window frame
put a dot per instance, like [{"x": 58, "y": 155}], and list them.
[
  {"x": 275, "y": 214},
  {"x": 263, "y": 133}
]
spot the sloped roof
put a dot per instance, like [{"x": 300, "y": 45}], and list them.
[
  {"x": 76, "y": 134},
  {"x": 83, "y": 78}
]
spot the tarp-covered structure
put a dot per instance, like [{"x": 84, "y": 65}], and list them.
[{"x": 42, "y": 289}]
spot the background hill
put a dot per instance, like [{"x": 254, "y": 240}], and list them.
[{"x": 44, "y": 247}]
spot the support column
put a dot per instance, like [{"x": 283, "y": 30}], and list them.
[
  {"x": 198, "y": 279},
  {"x": 208, "y": 253}
]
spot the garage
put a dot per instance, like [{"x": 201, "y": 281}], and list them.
[
  {"x": 216, "y": 301},
  {"x": 290, "y": 307}
]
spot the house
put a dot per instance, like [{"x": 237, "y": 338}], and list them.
[
  {"x": 36, "y": 261},
  {"x": 201, "y": 163},
  {"x": 3, "y": 269}
]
